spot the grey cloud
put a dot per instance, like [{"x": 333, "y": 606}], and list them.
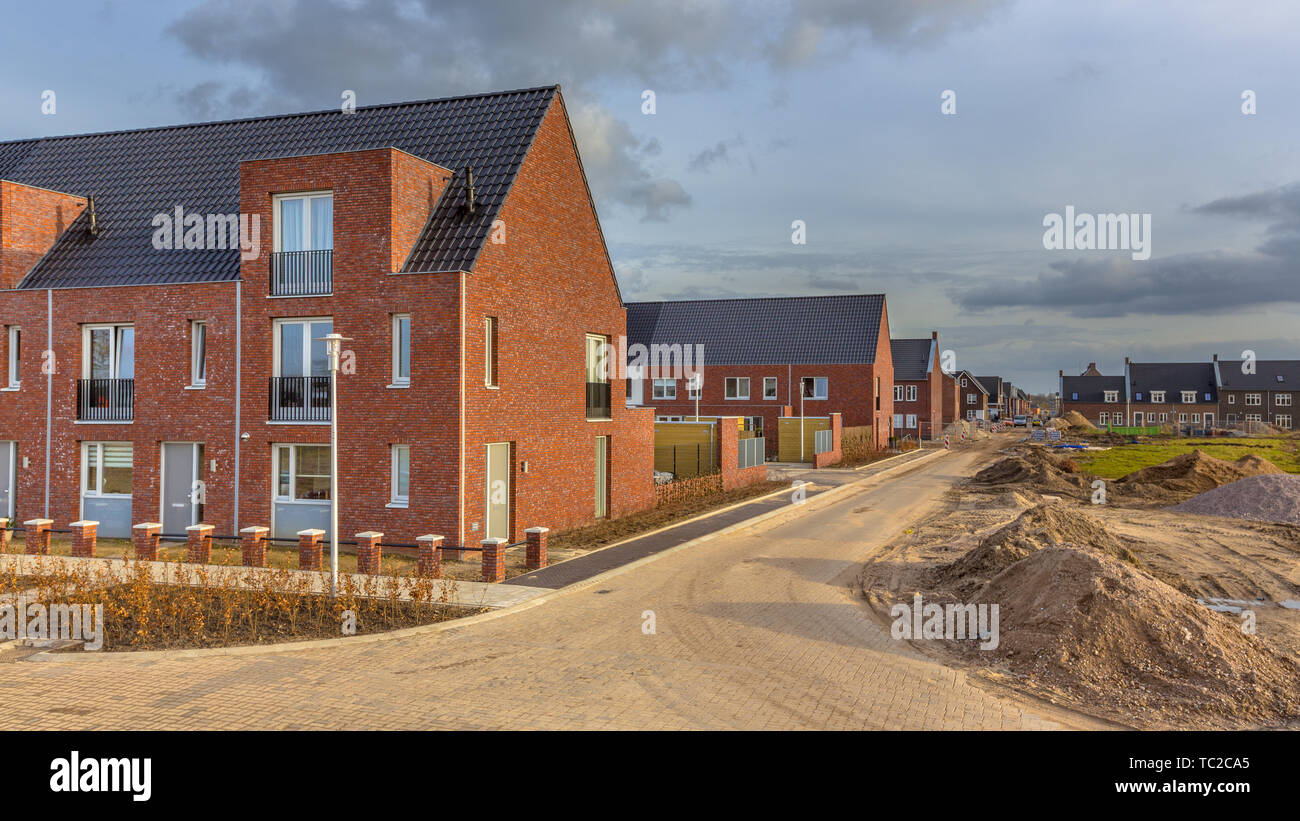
[{"x": 712, "y": 155}]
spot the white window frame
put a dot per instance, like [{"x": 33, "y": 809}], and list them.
[
  {"x": 400, "y": 381},
  {"x": 1157, "y": 397},
  {"x": 898, "y": 421},
  {"x": 898, "y": 393},
  {"x": 911, "y": 395},
  {"x": 664, "y": 389},
  {"x": 695, "y": 386},
  {"x": 731, "y": 388},
  {"x": 971, "y": 399},
  {"x": 911, "y": 421},
  {"x": 198, "y": 364},
  {"x": 1282, "y": 420},
  {"x": 306, "y": 196},
  {"x": 1164, "y": 417},
  {"x": 1254, "y": 399},
  {"x": 1110, "y": 396},
  {"x": 293, "y": 473},
  {"x": 825, "y": 382},
  {"x": 1282, "y": 400},
  {"x": 1232, "y": 399},
  {"x": 307, "y": 339},
  {"x": 397, "y": 499},
  {"x": 1254, "y": 417},
  {"x": 114, "y": 353},
  {"x": 98, "y": 492},
  {"x": 492, "y": 352},
  {"x": 963, "y": 382},
  {"x": 775, "y": 385},
  {"x": 1186, "y": 394},
  {"x": 13, "y": 356},
  {"x": 1103, "y": 418},
  {"x": 668, "y": 418}
]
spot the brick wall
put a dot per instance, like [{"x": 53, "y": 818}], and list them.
[{"x": 31, "y": 219}]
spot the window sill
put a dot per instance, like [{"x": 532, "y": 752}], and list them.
[
  {"x": 600, "y": 419},
  {"x": 196, "y": 387},
  {"x": 317, "y": 424},
  {"x": 493, "y": 387},
  {"x": 105, "y": 422},
  {"x": 10, "y": 388},
  {"x": 398, "y": 505},
  {"x": 398, "y": 386},
  {"x": 299, "y": 296}
]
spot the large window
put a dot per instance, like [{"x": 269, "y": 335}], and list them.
[
  {"x": 304, "y": 222},
  {"x": 108, "y": 352},
  {"x": 300, "y": 347},
  {"x": 15, "y": 348},
  {"x": 1282, "y": 400},
  {"x": 401, "y": 349},
  {"x": 302, "y": 473},
  {"x": 106, "y": 468},
  {"x": 911, "y": 396},
  {"x": 598, "y": 373},
  {"x": 1254, "y": 399},
  {"x": 737, "y": 387},
  {"x": 401, "y": 495},
  {"x": 665, "y": 389},
  {"x": 815, "y": 387},
  {"x": 198, "y": 354},
  {"x": 898, "y": 394},
  {"x": 769, "y": 387}
]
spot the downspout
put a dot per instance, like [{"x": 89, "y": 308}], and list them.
[
  {"x": 460, "y": 491},
  {"x": 239, "y": 374},
  {"x": 49, "y": 395}
]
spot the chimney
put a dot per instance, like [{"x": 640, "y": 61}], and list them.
[
  {"x": 934, "y": 334},
  {"x": 32, "y": 220},
  {"x": 1216, "y": 357}
]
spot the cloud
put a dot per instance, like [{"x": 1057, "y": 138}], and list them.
[{"x": 706, "y": 159}]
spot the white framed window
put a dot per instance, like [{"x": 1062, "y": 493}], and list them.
[
  {"x": 1196, "y": 417},
  {"x": 298, "y": 347},
  {"x": 1117, "y": 418},
  {"x": 695, "y": 386},
  {"x": 302, "y": 473},
  {"x": 1282, "y": 400},
  {"x": 970, "y": 414},
  {"x": 668, "y": 419},
  {"x": 1111, "y": 396},
  {"x": 1182, "y": 417},
  {"x": 1254, "y": 399},
  {"x": 755, "y": 424},
  {"x": 401, "y": 476},
  {"x": 108, "y": 352},
  {"x": 106, "y": 468},
  {"x": 970, "y": 399},
  {"x": 911, "y": 420},
  {"x": 1164, "y": 417},
  {"x": 401, "y": 350},
  {"x": 1232, "y": 399},
  {"x": 911, "y": 396},
  {"x": 304, "y": 222},
  {"x": 898, "y": 421},
  {"x": 1188, "y": 396},
  {"x": 769, "y": 387},
  {"x": 14, "y": 378},
  {"x": 898, "y": 393},
  {"x": 1157, "y": 396},
  {"x": 198, "y": 353},
  {"x": 665, "y": 389},
  {"x": 1103, "y": 418},
  {"x": 1254, "y": 417},
  {"x": 814, "y": 387},
  {"x": 491, "y": 372},
  {"x": 737, "y": 387},
  {"x": 963, "y": 382},
  {"x": 1282, "y": 420}
]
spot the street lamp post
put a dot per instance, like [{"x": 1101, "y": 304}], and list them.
[{"x": 333, "y": 349}]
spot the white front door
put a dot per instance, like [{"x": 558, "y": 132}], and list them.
[
  {"x": 8, "y": 478},
  {"x": 497, "y": 510},
  {"x": 636, "y": 386}
]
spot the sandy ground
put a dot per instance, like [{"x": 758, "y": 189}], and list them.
[{"x": 1140, "y": 625}]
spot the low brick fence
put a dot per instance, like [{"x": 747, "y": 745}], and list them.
[{"x": 254, "y": 541}]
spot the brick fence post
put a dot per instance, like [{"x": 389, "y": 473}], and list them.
[
  {"x": 83, "y": 538},
  {"x": 253, "y": 546},
  {"x": 309, "y": 549},
  {"x": 145, "y": 537},
  {"x": 536, "y": 548},
  {"x": 198, "y": 539},
  {"x": 37, "y": 533},
  {"x": 369, "y": 552},
  {"x": 429, "y": 562},
  {"x": 494, "y": 560},
  {"x": 4, "y": 535}
]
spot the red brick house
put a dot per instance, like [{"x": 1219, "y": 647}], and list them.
[
  {"x": 918, "y": 387},
  {"x": 1257, "y": 393},
  {"x": 453, "y": 242},
  {"x": 950, "y": 393},
  {"x": 1181, "y": 394},
  {"x": 973, "y": 397},
  {"x": 761, "y": 357}
]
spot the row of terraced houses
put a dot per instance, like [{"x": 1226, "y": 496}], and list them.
[
  {"x": 165, "y": 295},
  {"x": 1221, "y": 393}
]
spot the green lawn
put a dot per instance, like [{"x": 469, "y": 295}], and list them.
[{"x": 1121, "y": 460}]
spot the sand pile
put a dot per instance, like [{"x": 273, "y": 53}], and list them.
[
  {"x": 1267, "y": 497},
  {"x": 1049, "y": 524},
  {"x": 1078, "y": 420},
  {"x": 1079, "y": 622},
  {"x": 1188, "y": 474},
  {"x": 1036, "y": 467},
  {"x": 1058, "y": 423}
]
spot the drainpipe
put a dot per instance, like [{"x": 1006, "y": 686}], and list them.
[
  {"x": 49, "y": 395},
  {"x": 239, "y": 374}
]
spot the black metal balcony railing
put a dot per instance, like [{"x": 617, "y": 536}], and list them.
[
  {"x": 300, "y": 399},
  {"x": 598, "y": 400},
  {"x": 105, "y": 400},
  {"x": 302, "y": 273}
]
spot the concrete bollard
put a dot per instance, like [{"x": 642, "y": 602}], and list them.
[
  {"x": 252, "y": 541},
  {"x": 84, "y": 534},
  {"x": 37, "y": 533},
  {"x": 536, "y": 547},
  {"x": 429, "y": 562},
  {"x": 198, "y": 540}
]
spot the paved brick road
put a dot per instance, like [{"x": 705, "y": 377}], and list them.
[{"x": 756, "y": 629}]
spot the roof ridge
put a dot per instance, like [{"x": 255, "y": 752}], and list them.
[
  {"x": 285, "y": 116},
  {"x": 751, "y": 299}
]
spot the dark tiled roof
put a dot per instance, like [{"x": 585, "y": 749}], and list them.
[
  {"x": 770, "y": 331},
  {"x": 1090, "y": 388},
  {"x": 971, "y": 381},
  {"x": 1172, "y": 378},
  {"x": 137, "y": 174},
  {"x": 913, "y": 359},
  {"x": 992, "y": 386},
  {"x": 1265, "y": 376}
]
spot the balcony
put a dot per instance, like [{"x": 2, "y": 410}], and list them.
[
  {"x": 598, "y": 400},
  {"x": 105, "y": 400},
  {"x": 300, "y": 399},
  {"x": 302, "y": 273}
]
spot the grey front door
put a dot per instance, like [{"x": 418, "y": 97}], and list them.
[
  {"x": 182, "y": 492},
  {"x": 8, "y": 458}
]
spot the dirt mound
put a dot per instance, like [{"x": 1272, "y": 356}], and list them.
[
  {"x": 1036, "y": 468},
  {"x": 1078, "y": 420},
  {"x": 1116, "y": 639},
  {"x": 1189, "y": 474},
  {"x": 1267, "y": 497},
  {"x": 1050, "y": 524},
  {"x": 1058, "y": 423}
]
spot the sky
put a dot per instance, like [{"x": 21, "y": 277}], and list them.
[{"x": 827, "y": 112}]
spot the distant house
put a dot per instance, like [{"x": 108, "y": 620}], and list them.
[
  {"x": 1181, "y": 393},
  {"x": 997, "y": 393},
  {"x": 1096, "y": 397},
  {"x": 973, "y": 396},
  {"x": 761, "y": 357},
  {"x": 918, "y": 386},
  {"x": 1267, "y": 394}
]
